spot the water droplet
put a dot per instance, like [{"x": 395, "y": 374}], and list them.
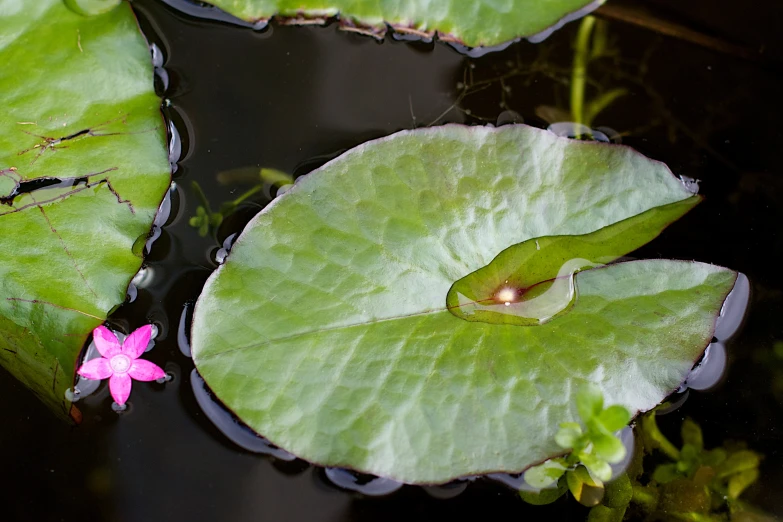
[
  {"x": 627, "y": 438},
  {"x": 734, "y": 309},
  {"x": 691, "y": 184},
  {"x": 373, "y": 487},
  {"x": 161, "y": 80},
  {"x": 568, "y": 129},
  {"x": 168, "y": 377},
  {"x": 132, "y": 293},
  {"x": 710, "y": 370},
  {"x": 182, "y": 331},
  {"x": 535, "y": 305},
  {"x": 157, "y": 55},
  {"x": 509, "y": 117},
  {"x": 143, "y": 277},
  {"x": 119, "y": 408},
  {"x": 446, "y": 491},
  {"x": 175, "y": 143},
  {"x": 220, "y": 256},
  {"x": 515, "y": 481},
  {"x": 231, "y": 427}
]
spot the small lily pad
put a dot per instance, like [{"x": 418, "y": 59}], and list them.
[
  {"x": 83, "y": 168},
  {"x": 328, "y": 332}
]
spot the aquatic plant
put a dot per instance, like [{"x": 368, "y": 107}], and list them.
[
  {"x": 84, "y": 167},
  {"x": 695, "y": 484},
  {"x": 474, "y": 24},
  {"x": 591, "y": 449},
  {"x": 120, "y": 363},
  {"x": 337, "y": 330}
]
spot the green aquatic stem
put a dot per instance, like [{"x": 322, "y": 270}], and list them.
[
  {"x": 657, "y": 438},
  {"x": 253, "y": 191},
  {"x": 579, "y": 68},
  {"x": 646, "y": 497}
]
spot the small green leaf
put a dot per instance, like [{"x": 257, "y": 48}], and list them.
[
  {"x": 740, "y": 461},
  {"x": 589, "y": 402},
  {"x": 568, "y": 435},
  {"x": 619, "y": 492},
  {"x": 714, "y": 457},
  {"x": 586, "y": 489},
  {"x": 545, "y": 496},
  {"x": 614, "y": 418},
  {"x": 608, "y": 447},
  {"x": 599, "y": 468},
  {"x": 691, "y": 434},
  {"x": 739, "y": 482},
  {"x": 603, "y": 513},
  {"x": 665, "y": 473},
  {"x": 545, "y": 474}
]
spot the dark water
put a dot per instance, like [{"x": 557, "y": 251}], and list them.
[{"x": 291, "y": 98}]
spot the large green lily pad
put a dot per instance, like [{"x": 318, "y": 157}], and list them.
[
  {"x": 327, "y": 330},
  {"x": 83, "y": 168},
  {"x": 472, "y": 23}
]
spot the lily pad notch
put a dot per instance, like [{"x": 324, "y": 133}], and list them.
[{"x": 327, "y": 329}]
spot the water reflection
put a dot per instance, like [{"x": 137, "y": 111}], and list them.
[
  {"x": 712, "y": 367},
  {"x": 229, "y": 426},
  {"x": 365, "y": 484},
  {"x": 734, "y": 309}
]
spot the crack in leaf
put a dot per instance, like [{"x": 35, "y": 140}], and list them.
[
  {"x": 87, "y": 185},
  {"x": 38, "y": 301},
  {"x": 49, "y": 143}
]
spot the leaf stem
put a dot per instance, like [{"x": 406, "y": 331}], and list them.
[
  {"x": 653, "y": 433},
  {"x": 246, "y": 195},
  {"x": 579, "y": 69}
]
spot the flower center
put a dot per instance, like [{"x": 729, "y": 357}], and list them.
[{"x": 120, "y": 363}]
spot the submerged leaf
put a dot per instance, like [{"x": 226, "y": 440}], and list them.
[
  {"x": 327, "y": 329},
  {"x": 84, "y": 159}
]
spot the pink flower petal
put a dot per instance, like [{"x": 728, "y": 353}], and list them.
[
  {"x": 143, "y": 370},
  {"x": 120, "y": 387},
  {"x": 137, "y": 341},
  {"x": 106, "y": 342},
  {"x": 97, "y": 369}
]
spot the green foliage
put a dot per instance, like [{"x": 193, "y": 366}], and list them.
[
  {"x": 475, "y": 23},
  {"x": 206, "y": 220},
  {"x": 79, "y": 114},
  {"x": 693, "y": 483},
  {"x": 591, "y": 450}
]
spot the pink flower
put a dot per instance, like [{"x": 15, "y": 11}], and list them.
[{"x": 121, "y": 363}]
